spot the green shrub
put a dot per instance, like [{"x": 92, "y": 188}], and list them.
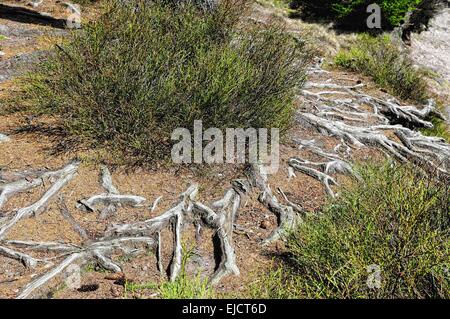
[
  {"x": 396, "y": 219},
  {"x": 379, "y": 58},
  {"x": 354, "y": 11},
  {"x": 129, "y": 79}
]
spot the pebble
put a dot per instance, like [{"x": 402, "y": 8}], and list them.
[
  {"x": 4, "y": 138},
  {"x": 265, "y": 224}
]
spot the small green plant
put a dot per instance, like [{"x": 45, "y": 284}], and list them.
[
  {"x": 397, "y": 222},
  {"x": 279, "y": 283},
  {"x": 184, "y": 287},
  {"x": 440, "y": 129},
  {"x": 132, "y": 77},
  {"x": 379, "y": 58}
]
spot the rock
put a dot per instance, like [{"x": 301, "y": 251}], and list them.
[
  {"x": 265, "y": 224},
  {"x": 35, "y": 3},
  {"x": 4, "y": 138},
  {"x": 115, "y": 276}
]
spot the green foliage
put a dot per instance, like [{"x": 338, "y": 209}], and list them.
[
  {"x": 279, "y": 283},
  {"x": 393, "y": 11},
  {"x": 129, "y": 79},
  {"x": 379, "y": 58},
  {"x": 397, "y": 219},
  {"x": 184, "y": 287},
  {"x": 440, "y": 127}
]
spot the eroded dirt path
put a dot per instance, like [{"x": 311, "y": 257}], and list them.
[{"x": 342, "y": 118}]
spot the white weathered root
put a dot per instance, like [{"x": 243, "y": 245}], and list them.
[
  {"x": 296, "y": 207},
  {"x": 430, "y": 146},
  {"x": 43, "y": 279},
  {"x": 110, "y": 200},
  {"x": 68, "y": 216},
  {"x": 105, "y": 262},
  {"x": 286, "y": 215},
  {"x": 393, "y": 112},
  {"x": 152, "y": 226},
  {"x": 159, "y": 253},
  {"x": 118, "y": 237},
  {"x": 415, "y": 146},
  {"x": 44, "y": 246},
  {"x": 336, "y": 164},
  {"x": 106, "y": 181},
  {"x": 303, "y": 166},
  {"x": 322, "y": 170},
  {"x": 25, "y": 184},
  {"x": 222, "y": 221},
  {"x": 65, "y": 176},
  {"x": 98, "y": 250},
  {"x": 155, "y": 203},
  {"x": 25, "y": 259}
]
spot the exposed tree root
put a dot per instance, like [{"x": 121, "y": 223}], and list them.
[
  {"x": 336, "y": 117},
  {"x": 222, "y": 221},
  {"x": 27, "y": 260},
  {"x": 415, "y": 147},
  {"x": 322, "y": 171},
  {"x": 286, "y": 214},
  {"x": 65, "y": 175},
  {"x": 393, "y": 112},
  {"x": 110, "y": 200},
  {"x": 124, "y": 237},
  {"x": 25, "y": 184}
]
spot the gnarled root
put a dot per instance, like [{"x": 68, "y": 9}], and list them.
[
  {"x": 110, "y": 200},
  {"x": 64, "y": 176},
  {"x": 286, "y": 214}
]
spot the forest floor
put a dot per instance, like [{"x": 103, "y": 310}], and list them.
[{"x": 33, "y": 143}]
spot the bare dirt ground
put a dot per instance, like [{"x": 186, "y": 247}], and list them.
[{"x": 32, "y": 144}]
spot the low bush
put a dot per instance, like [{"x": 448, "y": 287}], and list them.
[
  {"x": 381, "y": 59},
  {"x": 129, "y": 79},
  {"x": 393, "y": 227},
  {"x": 352, "y": 13}
]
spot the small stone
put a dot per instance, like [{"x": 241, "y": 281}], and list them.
[
  {"x": 115, "y": 276},
  {"x": 265, "y": 224},
  {"x": 4, "y": 138}
]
